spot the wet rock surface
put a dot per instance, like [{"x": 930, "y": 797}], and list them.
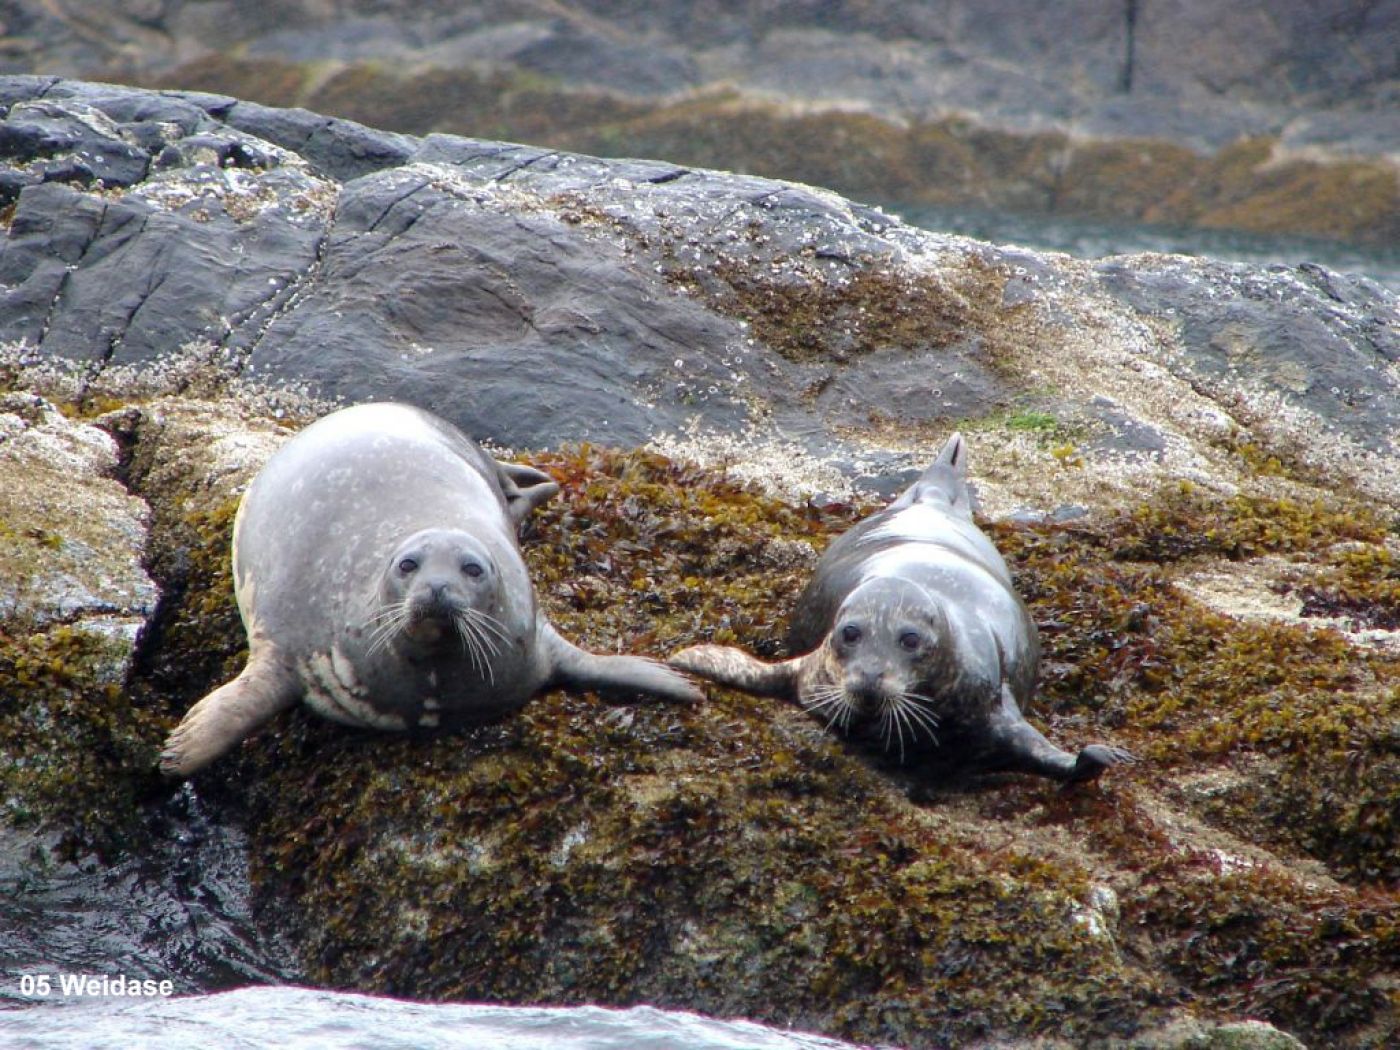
[{"x": 1190, "y": 467}]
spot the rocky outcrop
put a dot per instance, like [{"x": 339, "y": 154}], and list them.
[
  {"x": 639, "y": 298},
  {"x": 1190, "y": 466},
  {"x": 1267, "y": 117}
]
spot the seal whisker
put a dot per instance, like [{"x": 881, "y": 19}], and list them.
[
  {"x": 900, "y": 711},
  {"x": 919, "y": 715},
  {"x": 825, "y": 698},
  {"x": 834, "y": 698},
  {"x": 385, "y": 612},
  {"x": 823, "y": 695},
  {"x": 489, "y": 630},
  {"x": 485, "y": 643},
  {"x": 890, "y": 719},
  {"x": 847, "y": 712},
  {"x": 487, "y": 646},
  {"x": 472, "y": 635},
  {"x": 468, "y": 641},
  {"x": 487, "y": 620},
  {"x": 472, "y": 643},
  {"x": 390, "y": 622}
]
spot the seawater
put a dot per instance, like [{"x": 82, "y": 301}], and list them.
[
  {"x": 289, "y": 1018},
  {"x": 1090, "y": 239}
]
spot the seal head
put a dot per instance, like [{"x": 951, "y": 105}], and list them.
[
  {"x": 877, "y": 669},
  {"x": 440, "y": 588}
]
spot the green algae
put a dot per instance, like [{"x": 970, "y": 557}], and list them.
[
  {"x": 1187, "y": 686},
  {"x": 1260, "y": 946},
  {"x": 802, "y": 310},
  {"x": 1186, "y": 520},
  {"x": 196, "y": 637}
]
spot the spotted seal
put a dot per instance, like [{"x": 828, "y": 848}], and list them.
[
  {"x": 914, "y": 641},
  {"x": 379, "y": 577}
]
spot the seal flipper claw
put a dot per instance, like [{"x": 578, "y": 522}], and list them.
[
  {"x": 576, "y": 668},
  {"x": 1094, "y": 759},
  {"x": 727, "y": 666},
  {"x": 229, "y": 714}
]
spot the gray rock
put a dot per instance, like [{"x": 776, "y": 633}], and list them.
[
  {"x": 61, "y": 142},
  {"x": 1323, "y": 340},
  {"x": 1126, "y": 435},
  {"x": 338, "y": 149},
  {"x": 537, "y": 297}
]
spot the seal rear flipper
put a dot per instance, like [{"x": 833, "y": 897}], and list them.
[
  {"x": 524, "y": 488},
  {"x": 229, "y": 714},
  {"x": 575, "y": 668},
  {"x": 725, "y": 665},
  {"x": 944, "y": 482}
]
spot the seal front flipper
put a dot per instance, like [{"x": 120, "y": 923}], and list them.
[
  {"x": 727, "y": 666},
  {"x": 1017, "y": 745},
  {"x": 229, "y": 714},
  {"x": 524, "y": 488},
  {"x": 574, "y": 668},
  {"x": 1095, "y": 758}
]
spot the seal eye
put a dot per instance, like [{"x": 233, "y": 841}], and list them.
[
  {"x": 909, "y": 641},
  {"x": 472, "y": 569},
  {"x": 850, "y": 634},
  {"x": 407, "y": 566}
]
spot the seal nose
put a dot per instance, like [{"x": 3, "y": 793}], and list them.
[
  {"x": 434, "y": 600},
  {"x": 442, "y": 597},
  {"x": 866, "y": 686}
]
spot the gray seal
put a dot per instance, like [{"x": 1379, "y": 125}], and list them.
[
  {"x": 914, "y": 641},
  {"x": 379, "y": 577}
]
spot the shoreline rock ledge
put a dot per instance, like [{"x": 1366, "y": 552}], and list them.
[{"x": 1191, "y": 467}]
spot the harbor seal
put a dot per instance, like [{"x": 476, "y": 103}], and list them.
[
  {"x": 379, "y": 577},
  {"x": 914, "y": 641}
]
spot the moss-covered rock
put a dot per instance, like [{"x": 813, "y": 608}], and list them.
[
  {"x": 731, "y": 858},
  {"x": 74, "y": 593},
  {"x": 1197, "y": 502}
]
